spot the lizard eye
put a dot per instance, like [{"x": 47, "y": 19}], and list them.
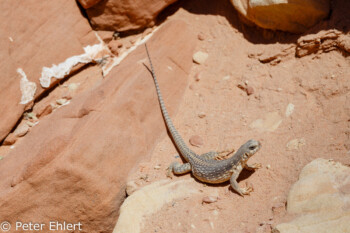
[{"x": 252, "y": 147}]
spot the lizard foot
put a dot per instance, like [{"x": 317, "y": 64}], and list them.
[
  {"x": 253, "y": 167},
  {"x": 246, "y": 191},
  {"x": 169, "y": 172},
  {"x": 257, "y": 165}
]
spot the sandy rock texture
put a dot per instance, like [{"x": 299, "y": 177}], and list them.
[
  {"x": 292, "y": 16},
  {"x": 298, "y": 111},
  {"x": 320, "y": 199},
  {"x": 27, "y": 35},
  {"x": 72, "y": 166},
  {"x": 125, "y": 15}
]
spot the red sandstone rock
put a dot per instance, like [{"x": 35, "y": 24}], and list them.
[
  {"x": 45, "y": 110},
  {"x": 125, "y": 15},
  {"x": 21, "y": 130},
  {"x": 196, "y": 141},
  {"x": 88, "y": 3},
  {"x": 323, "y": 41},
  {"x": 114, "y": 46},
  {"x": 73, "y": 165},
  {"x": 201, "y": 36},
  {"x": 106, "y": 36},
  {"x": 10, "y": 140},
  {"x": 32, "y": 37},
  {"x": 249, "y": 90}
]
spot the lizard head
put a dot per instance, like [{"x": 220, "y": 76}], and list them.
[{"x": 248, "y": 149}]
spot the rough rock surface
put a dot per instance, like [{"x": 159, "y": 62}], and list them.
[
  {"x": 292, "y": 16},
  {"x": 31, "y": 46},
  {"x": 126, "y": 15},
  {"x": 323, "y": 41},
  {"x": 72, "y": 166},
  {"x": 320, "y": 199}
]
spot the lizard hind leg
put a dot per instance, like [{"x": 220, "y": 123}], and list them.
[
  {"x": 178, "y": 168},
  {"x": 224, "y": 154}
]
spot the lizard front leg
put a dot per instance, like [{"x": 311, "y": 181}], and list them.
[
  {"x": 253, "y": 167},
  {"x": 235, "y": 186}
]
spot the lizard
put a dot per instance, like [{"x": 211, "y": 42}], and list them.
[{"x": 205, "y": 167}]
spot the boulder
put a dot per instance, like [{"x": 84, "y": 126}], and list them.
[
  {"x": 34, "y": 35},
  {"x": 115, "y": 15},
  {"x": 149, "y": 200},
  {"x": 88, "y": 3},
  {"x": 73, "y": 165},
  {"x": 292, "y": 16},
  {"x": 320, "y": 199}
]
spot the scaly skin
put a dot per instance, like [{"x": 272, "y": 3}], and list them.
[{"x": 204, "y": 167}]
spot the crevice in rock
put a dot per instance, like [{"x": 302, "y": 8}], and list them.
[
  {"x": 13, "y": 129},
  {"x": 131, "y": 32},
  {"x": 57, "y": 82},
  {"x": 83, "y": 12}
]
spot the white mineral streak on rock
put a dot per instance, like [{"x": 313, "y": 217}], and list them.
[
  {"x": 116, "y": 60},
  {"x": 27, "y": 88},
  {"x": 92, "y": 53},
  {"x": 61, "y": 70}
]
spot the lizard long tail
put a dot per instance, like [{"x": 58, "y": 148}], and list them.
[{"x": 180, "y": 144}]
